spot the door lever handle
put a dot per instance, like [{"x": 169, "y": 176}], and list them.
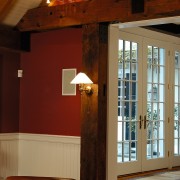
[
  {"x": 145, "y": 122},
  {"x": 140, "y": 122}
]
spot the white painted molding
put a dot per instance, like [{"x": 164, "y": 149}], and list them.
[
  {"x": 9, "y": 136},
  {"x": 9, "y": 147},
  {"x": 49, "y": 138},
  {"x": 148, "y": 34}
]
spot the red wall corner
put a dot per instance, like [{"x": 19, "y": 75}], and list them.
[{"x": 43, "y": 109}]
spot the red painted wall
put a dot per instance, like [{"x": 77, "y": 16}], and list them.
[
  {"x": 43, "y": 109},
  {"x": 9, "y": 92}
]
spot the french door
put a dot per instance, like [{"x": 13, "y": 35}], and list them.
[
  {"x": 155, "y": 97},
  {"x": 139, "y": 110}
]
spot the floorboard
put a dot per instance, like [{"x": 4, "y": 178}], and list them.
[{"x": 166, "y": 174}]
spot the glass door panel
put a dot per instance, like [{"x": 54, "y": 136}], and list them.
[
  {"x": 154, "y": 120},
  {"x": 127, "y": 101}
]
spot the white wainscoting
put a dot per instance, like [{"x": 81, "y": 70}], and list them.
[
  {"x": 40, "y": 155},
  {"x": 9, "y": 144}
]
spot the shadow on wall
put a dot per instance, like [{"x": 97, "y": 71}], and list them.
[{"x": 9, "y": 97}]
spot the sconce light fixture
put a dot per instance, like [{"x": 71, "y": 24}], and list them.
[
  {"x": 48, "y": 1},
  {"x": 82, "y": 79}
]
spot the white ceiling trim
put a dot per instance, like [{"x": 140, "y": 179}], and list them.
[{"x": 175, "y": 20}]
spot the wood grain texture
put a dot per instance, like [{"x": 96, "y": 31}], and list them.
[
  {"x": 173, "y": 173},
  {"x": 93, "y": 108},
  {"x": 86, "y": 12},
  {"x": 35, "y": 178}
]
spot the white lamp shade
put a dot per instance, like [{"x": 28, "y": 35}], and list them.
[{"x": 81, "y": 78}]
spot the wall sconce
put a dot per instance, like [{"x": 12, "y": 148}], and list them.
[
  {"x": 48, "y": 1},
  {"x": 82, "y": 79}
]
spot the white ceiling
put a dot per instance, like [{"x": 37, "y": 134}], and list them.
[{"x": 18, "y": 10}]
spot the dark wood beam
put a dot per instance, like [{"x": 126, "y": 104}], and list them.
[
  {"x": 87, "y": 12},
  {"x": 93, "y": 107},
  {"x": 137, "y": 6},
  {"x": 14, "y": 40},
  {"x": 9, "y": 39}
]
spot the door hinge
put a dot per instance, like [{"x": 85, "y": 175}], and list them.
[
  {"x": 168, "y": 86},
  {"x": 169, "y": 53},
  {"x": 168, "y": 120}
]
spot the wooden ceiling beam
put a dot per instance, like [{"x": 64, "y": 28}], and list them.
[
  {"x": 9, "y": 39},
  {"x": 14, "y": 40},
  {"x": 87, "y": 12}
]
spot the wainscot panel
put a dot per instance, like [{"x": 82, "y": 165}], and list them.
[
  {"x": 9, "y": 144},
  {"x": 41, "y": 155}
]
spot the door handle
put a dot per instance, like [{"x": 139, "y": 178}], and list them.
[
  {"x": 145, "y": 122},
  {"x": 140, "y": 122}
]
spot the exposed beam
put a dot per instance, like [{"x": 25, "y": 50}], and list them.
[
  {"x": 137, "y": 6},
  {"x": 14, "y": 40},
  {"x": 94, "y": 107},
  {"x": 87, "y": 12},
  {"x": 10, "y": 39}
]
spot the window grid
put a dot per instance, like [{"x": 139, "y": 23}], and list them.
[
  {"x": 155, "y": 102},
  {"x": 127, "y": 102}
]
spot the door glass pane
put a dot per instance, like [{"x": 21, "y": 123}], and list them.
[
  {"x": 177, "y": 104},
  {"x": 155, "y": 102},
  {"x": 127, "y": 101}
]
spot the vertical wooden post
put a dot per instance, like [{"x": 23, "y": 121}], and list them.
[{"x": 94, "y": 107}]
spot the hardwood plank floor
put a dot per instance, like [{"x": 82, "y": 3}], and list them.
[
  {"x": 166, "y": 174},
  {"x": 175, "y": 175}
]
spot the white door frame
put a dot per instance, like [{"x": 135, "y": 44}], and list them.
[{"x": 112, "y": 170}]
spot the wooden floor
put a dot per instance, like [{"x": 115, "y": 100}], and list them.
[{"x": 166, "y": 174}]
